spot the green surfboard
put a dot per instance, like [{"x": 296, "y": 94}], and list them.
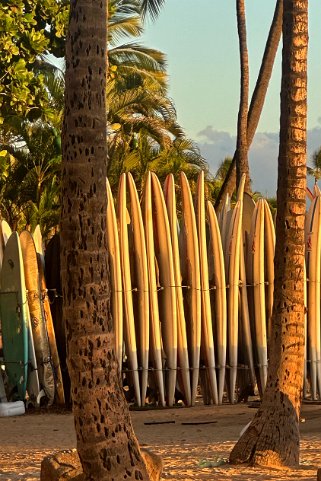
[{"x": 14, "y": 317}]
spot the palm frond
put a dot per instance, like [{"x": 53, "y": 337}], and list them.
[{"x": 151, "y": 7}]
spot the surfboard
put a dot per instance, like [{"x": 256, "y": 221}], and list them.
[
  {"x": 246, "y": 347},
  {"x": 182, "y": 347},
  {"x": 269, "y": 249},
  {"x": 232, "y": 269},
  {"x": 316, "y": 190},
  {"x": 224, "y": 219},
  {"x": 141, "y": 296},
  {"x": 37, "y": 238},
  {"x": 54, "y": 291},
  {"x": 39, "y": 330},
  {"x": 207, "y": 337},
  {"x": 155, "y": 327},
  {"x": 129, "y": 331},
  {"x": 2, "y": 245},
  {"x": 248, "y": 209},
  {"x": 55, "y": 361},
  {"x": 313, "y": 253},
  {"x": 257, "y": 282},
  {"x": 34, "y": 391},
  {"x": 5, "y": 231},
  {"x": 219, "y": 294},
  {"x": 3, "y": 395},
  {"x": 306, "y": 359},
  {"x": 193, "y": 293},
  {"x": 167, "y": 292},
  {"x": 14, "y": 317},
  {"x": 116, "y": 279}
]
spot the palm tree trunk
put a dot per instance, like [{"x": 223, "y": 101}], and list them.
[
  {"x": 258, "y": 96},
  {"x": 273, "y": 436},
  {"x": 242, "y": 163},
  {"x": 106, "y": 442}
]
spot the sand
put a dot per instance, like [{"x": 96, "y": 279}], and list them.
[{"x": 185, "y": 448}]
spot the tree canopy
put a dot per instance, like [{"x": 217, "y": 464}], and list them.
[{"x": 29, "y": 29}]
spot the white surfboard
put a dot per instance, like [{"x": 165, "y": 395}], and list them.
[
  {"x": 193, "y": 293},
  {"x": 219, "y": 294},
  {"x": 116, "y": 278},
  {"x": 257, "y": 289},
  {"x": 5, "y": 231},
  {"x": 313, "y": 254},
  {"x": 141, "y": 296},
  {"x": 207, "y": 338},
  {"x": 129, "y": 331},
  {"x": 155, "y": 326},
  {"x": 232, "y": 269},
  {"x": 182, "y": 347},
  {"x": 269, "y": 249},
  {"x": 167, "y": 292}
]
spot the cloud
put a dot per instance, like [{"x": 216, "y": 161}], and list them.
[
  {"x": 314, "y": 141},
  {"x": 215, "y": 145},
  {"x": 263, "y": 156}
]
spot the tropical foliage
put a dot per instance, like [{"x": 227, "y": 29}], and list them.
[
  {"x": 31, "y": 157},
  {"x": 143, "y": 132},
  {"x": 315, "y": 170},
  {"x": 28, "y": 29}
]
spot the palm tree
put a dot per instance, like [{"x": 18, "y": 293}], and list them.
[
  {"x": 106, "y": 442},
  {"x": 131, "y": 63},
  {"x": 258, "y": 96},
  {"x": 272, "y": 439},
  {"x": 143, "y": 132},
  {"x": 242, "y": 162},
  {"x": 151, "y": 6},
  {"x": 315, "y": 171},
  {"x": 33, "y": 175},
  {"x": 30, "y": 171}
]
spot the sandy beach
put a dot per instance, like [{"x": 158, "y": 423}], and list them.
[{"x": 188, "y": 439}]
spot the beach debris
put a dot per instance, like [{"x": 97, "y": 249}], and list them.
[
  {"x": 212, "y": 463},
  {"x": 12, "y": 408},
  {"x": 151, "y": 423},
  {"x": 196, "y": 423}
]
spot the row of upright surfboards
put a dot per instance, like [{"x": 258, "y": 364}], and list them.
[
  {"x": 193, "y": 293},
  {"x": 191, "y": 296},
  {"x": 30, "y": 355},
  {"x": 181, "y": 296}
]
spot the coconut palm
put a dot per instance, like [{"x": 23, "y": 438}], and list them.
[
  {"x": 151, "y": 6},
  {"x": 106, "y": 442},
  {"x": 272, "y": 439},
  {"x": 259, "y": 94},
  {"x": 242, "y": 161},
  {"x": 131, "y": 63}
]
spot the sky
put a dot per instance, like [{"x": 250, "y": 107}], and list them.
[{"x": 201, "y": 45}]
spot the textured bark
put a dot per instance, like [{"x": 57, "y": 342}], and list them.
[
  {"x": 273, "y": 436},
  {"x": 106, "y": 443},
  {"x": 258, "y": 96},
  {"x": 242, "y": 163},
  {"x": 66, "y": 465}
]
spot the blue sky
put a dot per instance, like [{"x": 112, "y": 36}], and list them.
[{"x": 201, "y": 45}]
